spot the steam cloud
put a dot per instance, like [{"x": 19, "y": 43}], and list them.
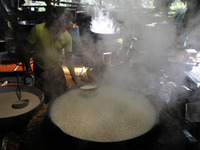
[{"x": 154, "y": 42}]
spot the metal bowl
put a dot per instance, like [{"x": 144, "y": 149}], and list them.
[{"x": 18, "y": 121}]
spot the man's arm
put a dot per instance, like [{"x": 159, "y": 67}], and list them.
[
  {"x": 27, "y": 54},
  {"x": 70, "y": 65}
]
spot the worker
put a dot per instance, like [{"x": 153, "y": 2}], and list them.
[{"x": 49, "y": 41}]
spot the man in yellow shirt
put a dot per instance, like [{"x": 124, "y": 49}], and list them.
[{"x": 50, "y": 40}]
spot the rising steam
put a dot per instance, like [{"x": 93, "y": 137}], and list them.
[
  {"x": 102, "y": 24},
  {"x": 145, "y": 54}
]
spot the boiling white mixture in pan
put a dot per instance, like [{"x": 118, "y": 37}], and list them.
[
  {"x": 111, "y": 115},
  {"x": 8, "y": 98}
]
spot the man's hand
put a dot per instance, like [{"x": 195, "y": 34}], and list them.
[
  {"x": 78, "y": 82},
  {"x": 29, "y": 72}
]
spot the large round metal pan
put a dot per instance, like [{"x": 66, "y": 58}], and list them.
[
  {"x": 54, "y": 133},
  {"x": 13, "y": 122}
]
